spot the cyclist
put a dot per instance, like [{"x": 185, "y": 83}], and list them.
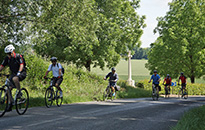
[
  {"x": 113, "y": 78},
  {"x": 17, "y": 67},
  {"x": 56, "y": 68},
  {"x": 183, "y": 81},
  {"x": 168, "y": 81},
  {"x": 156, "y": 79}
]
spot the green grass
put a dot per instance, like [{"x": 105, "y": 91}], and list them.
[{"x": 192, "y": 120}]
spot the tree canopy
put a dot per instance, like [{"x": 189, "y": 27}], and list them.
[
  {"x": 88, "y": 32},
  {"x": 181, "y": 45}
]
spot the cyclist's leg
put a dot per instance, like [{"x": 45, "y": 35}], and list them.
[
  {"x": 157, "y": 88},
  {"x": 58, "y": 83}
]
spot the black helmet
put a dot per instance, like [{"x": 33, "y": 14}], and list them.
[
  {"x": 113, "y": 69},
  {"x": 182, "y": 73},
  {"x": 53, "y": 59},
  {"x": 155, "y": 71}
]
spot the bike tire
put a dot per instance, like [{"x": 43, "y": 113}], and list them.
[
  {"x": 185, "y": 95},
  {"x": 3, "y": 101},
  {"x": 59, "y": 99},
  {"x": 23, "y": 102},
  {"x": 49, "y": 97},
  {"x": 180, "y": 93},
  {"x": 105, "y": 95}
]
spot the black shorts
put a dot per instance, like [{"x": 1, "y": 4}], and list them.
[
  {"x": 167, "y": 84},
  {"x": 21, "y": 77},
  {"x": 58, "y": 81},
  {"x": 184, "y": 85}
]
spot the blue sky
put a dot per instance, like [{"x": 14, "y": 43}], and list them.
[{"x": 152, "y": 9}]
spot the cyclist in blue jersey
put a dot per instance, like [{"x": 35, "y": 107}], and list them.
[{"x": 156, "y": 79}]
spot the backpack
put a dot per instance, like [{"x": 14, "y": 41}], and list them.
[{"x": 62, "y": 70}]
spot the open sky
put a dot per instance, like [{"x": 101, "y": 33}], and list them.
[{"x": 151, "y": 9}]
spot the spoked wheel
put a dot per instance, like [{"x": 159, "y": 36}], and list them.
[
  {"x": 59, "y": 99},
  {"x": 154, "y": 94},
  {"x": 185, "y": 95},
  {"x": 49, "y": 97},
  {"x": 180, "y": 93},
  {"x": 105, "y": 95},
  {"x": 3, "y": 101},
  {"x": 22, "y": 102}
]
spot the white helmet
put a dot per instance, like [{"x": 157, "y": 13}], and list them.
[{"x": 8, "y": 49}]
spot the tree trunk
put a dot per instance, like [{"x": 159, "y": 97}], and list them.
[
  {"x": 87, "y": 65},
  {"x": 192, "y": 79}
]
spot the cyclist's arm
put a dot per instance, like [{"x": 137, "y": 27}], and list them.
[
  {"x": 108, "y": 75},
  {"x": 21, "y": 67},
  {"x": 116, "y": 78},
  {"x": 46, "y": 73}
]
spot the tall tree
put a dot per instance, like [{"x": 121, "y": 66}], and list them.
[
  {"x": 14, "y": 16},
  {"x": 88, "y": 32},
  {"x": 180, "y": 46}
]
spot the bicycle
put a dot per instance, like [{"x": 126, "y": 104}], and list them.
[
  {"x": 51, "y": 95},
  {"x": 183, "y": 92},
  {"x": 155, "y": 95},
  {"x": 167, "y": 91},
  {"x": 108, "y": 93},
  {"x": 21, "y": 102}
]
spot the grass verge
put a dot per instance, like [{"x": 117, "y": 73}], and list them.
[{"x": 192, "y": 120}]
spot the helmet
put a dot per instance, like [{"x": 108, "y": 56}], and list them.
[
  {"x": 167, "y": 75},
  {"x": 182, "y": 73},
  {"x": 8, "y": 49},
  {"x": 113, "y": 69},
  {"x": 155, "y": 71},
  {"x": 53, "y": 59}
]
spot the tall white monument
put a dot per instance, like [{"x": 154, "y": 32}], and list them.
[{"x": 130, "y": 81}]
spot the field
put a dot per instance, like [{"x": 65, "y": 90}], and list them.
[{"x": 139, "y": 72}]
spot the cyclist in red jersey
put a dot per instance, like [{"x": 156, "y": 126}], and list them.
[
  {"x": 168, "y": 82},
  {"x": 183, "y": 81}
]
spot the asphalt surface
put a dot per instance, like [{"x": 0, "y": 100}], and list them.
[{"x": 127, "y": 114}]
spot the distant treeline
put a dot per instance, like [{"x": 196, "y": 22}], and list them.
[{"x": 140, "y": 53}]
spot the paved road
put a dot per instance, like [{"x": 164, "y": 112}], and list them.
[{"x": 128, "y": 114}]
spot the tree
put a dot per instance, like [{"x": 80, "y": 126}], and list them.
[
  {"x": 140, "y": 53},
  {"x": 88, "y": 32},
  {"x": 14, "y": 17},
  {"x": 180, "y": 47}
]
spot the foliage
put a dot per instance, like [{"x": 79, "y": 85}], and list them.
[
  {"x": 88, "y": 32},
  {"x": 140, "y": 53},
  {"x": 180, "y": 47},
  {"x": 14, "y": 17},
  {"x": 193, "y": 120}
]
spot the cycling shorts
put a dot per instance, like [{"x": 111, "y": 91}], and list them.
[
  {"x": 184, "y": 85},
  {"x": 58, "y": 81},
  {"x": 112, "y": 84},
  {"x": 21, "y": 77}
]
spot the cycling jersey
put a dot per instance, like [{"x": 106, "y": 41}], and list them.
[
  {"x": 155, "y": 79},
  {"x": 112, "y": 77},
  {"x": 168, "y": 80},
  {"x": 55, "y": 69},
  {"x": 14, "y": 63},
  {"x": 183, "y": 79}
]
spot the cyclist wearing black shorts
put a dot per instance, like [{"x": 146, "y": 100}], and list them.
[
  {"x": 17, "y": 67},
  {"x": 56, "y": 68},
  {"x": 113, "y": 78},
  {"x": 167, "y": 81},
  {"x": 156, "y": 78},
  {"x": 183, "y": 81}
]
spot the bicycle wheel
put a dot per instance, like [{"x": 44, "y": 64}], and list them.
[
  {"x": 180, "y": 93},
  {"x": 105, "y": 94},
  {"x": 154, "y": 94},
  {"x": 22, "y": 102},
  {"x": 3, "y": 101},
  {"x": 49, "y": 97},
  {"x": 59, "y": 99},
  {"x": 185, "y": 94}
]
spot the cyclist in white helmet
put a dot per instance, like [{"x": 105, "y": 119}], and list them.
[{"x": 17, "y": 66}]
